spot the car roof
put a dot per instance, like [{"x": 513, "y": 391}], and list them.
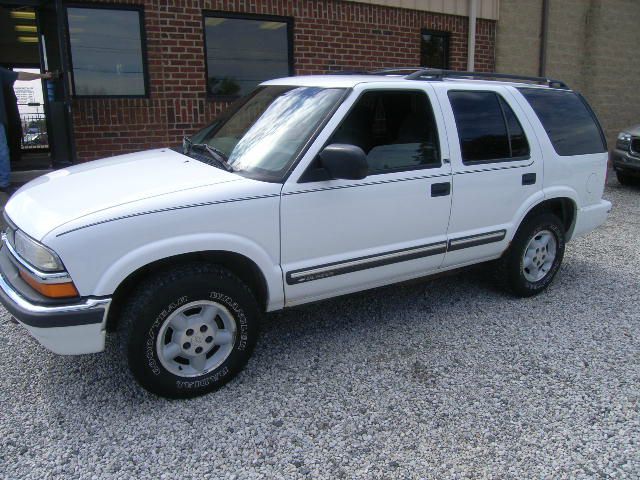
[{"x": 351, "y": 80}]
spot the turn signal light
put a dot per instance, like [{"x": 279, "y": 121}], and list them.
[{"x": 51, "y": 290}]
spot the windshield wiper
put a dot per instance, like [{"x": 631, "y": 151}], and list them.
[{"x": 218, "y": 155}]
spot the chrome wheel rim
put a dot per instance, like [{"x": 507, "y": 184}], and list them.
[
  {"x": 539, "y": 256},
  {"x": 196, "y": 338}
]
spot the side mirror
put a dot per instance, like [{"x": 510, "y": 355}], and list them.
[{"x": 343, "y": 161}]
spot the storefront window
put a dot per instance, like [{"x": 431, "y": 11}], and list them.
[
  {"x": 107, "y": 52},
  {"x": 244, "y": 51}
]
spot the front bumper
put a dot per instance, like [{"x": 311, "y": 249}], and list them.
[
  {"x": 625, "y": 162},
  {"x": 67, "y": 329}
]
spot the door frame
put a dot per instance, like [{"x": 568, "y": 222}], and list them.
[
  {"x": 58, "y": 9},
  {"x": 64, "y": 80}
]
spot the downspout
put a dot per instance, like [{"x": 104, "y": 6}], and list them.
[
  {"x": 544, "y": 33},
  {"x": 473, "y": 14}
]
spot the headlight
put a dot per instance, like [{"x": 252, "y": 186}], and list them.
[
  {"x": 36, "y": 254},
  {"x": 624, "y": 136},
  {"x": 624, "y": 139}
]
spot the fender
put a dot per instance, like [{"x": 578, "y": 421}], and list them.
[
  {"x": 559, "y": 191},
  {"x": 539, "y": 197},
  {"x": 159, "y": 250},
  {"x": 529, "y": 204}
]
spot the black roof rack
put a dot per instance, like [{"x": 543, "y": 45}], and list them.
[
  {"x": 422, "y": 73},
  {"x": 435, "y": 73}
]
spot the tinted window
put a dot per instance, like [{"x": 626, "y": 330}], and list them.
[
  {"x": 106, "y": 51},
  {"x": 571, "y": 127},
  {"x": 396, "y": 130},
  {"x": 481, "y": 127},
  {"x": 243, "y": 52},
  {"x": 517, "y": 138},
  {"x": 488, "y": 129},
  {"x": 434, "y": 49}
]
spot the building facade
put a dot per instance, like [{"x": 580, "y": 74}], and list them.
[
  {"x": 143, "y": 73},
  {"x": 592, "y": 45}
]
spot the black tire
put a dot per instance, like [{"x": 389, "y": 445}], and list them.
[
  {"x": 626, "y": 179},
  {"x": 154, "y": 301},
  {"x": 511, "y": 267}
]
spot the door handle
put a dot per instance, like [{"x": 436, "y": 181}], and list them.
[
  {"x": 529, "y": 179},
  {"x": 440, "y": 189}
]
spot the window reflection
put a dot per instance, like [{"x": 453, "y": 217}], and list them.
[
  {"x": 106, "y": 51},
  {"x": 241, "y": 53},
  {"x": 266, "y": 132}
]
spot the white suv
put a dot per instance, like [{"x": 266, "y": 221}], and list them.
[{"x": 308, "y": 188}]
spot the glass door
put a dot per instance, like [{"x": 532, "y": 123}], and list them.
[{"x": 57, "y": 95}]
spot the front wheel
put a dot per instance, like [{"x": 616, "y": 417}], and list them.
[
  {"x": 188, "y": 331},
  {"x": 535, "y": 255}
]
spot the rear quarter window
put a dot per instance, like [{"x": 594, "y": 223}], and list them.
[{"x": 568, "y": 120}]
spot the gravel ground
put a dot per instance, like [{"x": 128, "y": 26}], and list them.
[{"x": 442, "y": 378}]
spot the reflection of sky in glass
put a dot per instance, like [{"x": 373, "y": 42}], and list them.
[
  {"x": 246, "y": 52},
  {"x": 283, "y": 127},
  {"x": 106, "y": 51}
]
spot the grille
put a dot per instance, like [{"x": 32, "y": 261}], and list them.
[{"x": 635, "y": 146}]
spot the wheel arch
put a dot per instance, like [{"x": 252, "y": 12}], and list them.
[
  {"x": 564, "y": 207},
  {"x": 242, "y": 266}
]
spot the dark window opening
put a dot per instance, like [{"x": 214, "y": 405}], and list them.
[
  {"x": 107, "y": 52},
  {"x": 568, "y": 120},
  {"x": 434, "y": 49},
  {"x": 517, "y": 138},
  {"x": 396, "y": 129},
  {"x": 488, "y": 129},
  {"x": 243, "y": 51}
]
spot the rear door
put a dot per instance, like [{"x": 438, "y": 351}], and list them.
[
  {"x": 340, "y": 236},
  {"x": 496, "y": 167}
]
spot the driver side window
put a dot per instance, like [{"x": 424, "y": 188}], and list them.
[{"x": 396, "y": 130}]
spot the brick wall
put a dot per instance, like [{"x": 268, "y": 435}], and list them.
[{"x": 328, "y": 35}]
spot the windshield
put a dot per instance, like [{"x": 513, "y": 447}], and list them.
[{"x": 267, "y": 129}]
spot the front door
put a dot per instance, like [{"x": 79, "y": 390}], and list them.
[{"x": 341, "y": 236}]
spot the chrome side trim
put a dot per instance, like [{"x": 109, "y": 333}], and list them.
[
  {"x": 475, "y": 240},
  {"x": 363, "y": 263},
  {"x": 42, "y": 277}
]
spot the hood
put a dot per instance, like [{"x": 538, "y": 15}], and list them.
[
  {"x": 633, "y": 130},
  {"x": 65, "y": 195}
]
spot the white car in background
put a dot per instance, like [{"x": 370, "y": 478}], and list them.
[{"x": 307, "y": 189}]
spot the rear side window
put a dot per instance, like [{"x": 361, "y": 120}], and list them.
[
  {"x": 488, "y": 129},
  {"x": 569, "y": 122}
]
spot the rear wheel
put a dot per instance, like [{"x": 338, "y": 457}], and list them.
[
  {"x": 188, "y": 331},
  {"x": 535, "y": 255}
]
